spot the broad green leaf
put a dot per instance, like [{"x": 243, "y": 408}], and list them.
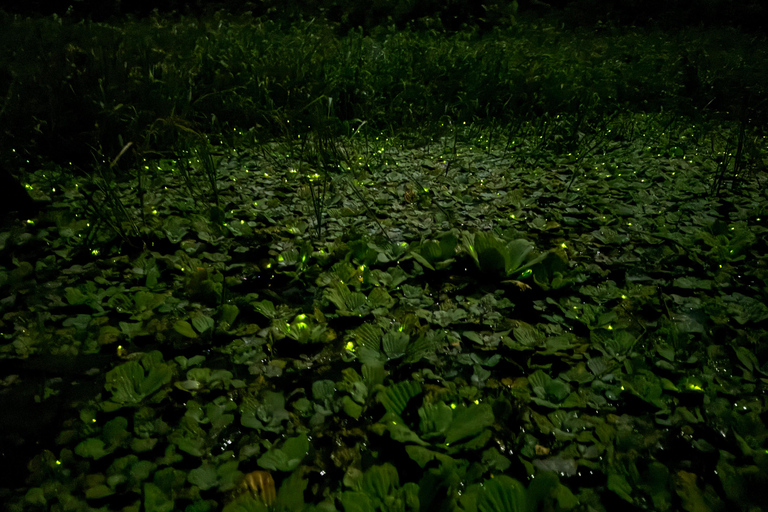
[
  {"x": 229, "y": 314},
  {"x": 184, "y": 328},
  {"x": 131, "y": 382},
  {"x": 435, "y": 419},
  {"x": 527, "y": 335},
  {"x": 156, "y": 500},
  {"x": 394, "y": 344},
  {"x": 355, "y": 501},
  {"x": 202, "y": 323},
  {"x": 288, "y": 456},
  {"x": 92, "y": 448},
  {"x": 380, "y": 482},
  {"x": 618, "y": 484},
  {"x": 323, "y": 389},
  {"x": 395, "y": 397},
  {"x": 351, "y": 408},
  {"x": 98, "y": 492},
  {"x": 205, "y": 476},
  {"x": 502, "y": 494},
  {"x": 290, "y": 496},
  {"x": 423, "y": 456},
  {"x": 468, "y": 422}
]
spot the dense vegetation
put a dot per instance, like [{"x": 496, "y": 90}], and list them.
[{"x": 335, "y": 260}]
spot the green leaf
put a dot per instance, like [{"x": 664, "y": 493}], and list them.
[
  {"x": 35, "y": 496},
  {"x": 351, "y": 408},
  {"x": 747, "y": 358},
  {"x": 618, "y": 484},
  {"x": 175, "y": 228},
  {"x": 394, "y": 344},
  {"x": 495, "y": 460},
  {"x": 395, "y": 397},
  {"x": 229, "y": 314},
  {"x": 380, "y": 481},
  {"x": 656, "y": 482},
  {"x": 189, "y": 437},
  {"x": 266, "y": 308},
  {"x": 132, "y": 382},
  {"x": 355, "y": 501},
  {"x": 245, "y": 502},
  {"x": 202, "y": 323},
  {"x": 399, "y": 431},
  {"x": 290, "y": 496},
  {"x": 155, "y": 500},
  {"x": 546, "y": 489},
  {"x": 98, "y": 491},
  {"x": 323, "y": 389},
  {"x": 423, "y": 456},
  {"x": 115, "y": 431},
  {"x": 502, "y": 494},
  {"x": 528, "y": 336},
  {"x": 288, "y": 457},
  {"x": 92, "y": 448},
  {"x": 205, "y": 476},
  {"x": 184, "y": 328},
  {"x": 468, "y": 422},
  {"x": 436, "y": 418}
]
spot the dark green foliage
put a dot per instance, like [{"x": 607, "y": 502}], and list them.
[{"x": 378, "y": 263}]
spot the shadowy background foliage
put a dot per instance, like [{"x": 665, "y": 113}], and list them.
[{"x": 74, "y": 86}]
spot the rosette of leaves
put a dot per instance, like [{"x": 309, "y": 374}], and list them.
[
  {"x": 551, "y": 273},
  {"x": 437, "y": 254},
  {"x": 303, "y": 330},
  {"x": 190, "y": 437},
  {"x": 495, "y": 256},
  {"x": 448, "y": 428},
  {"x": 206, "y": 379},
  {"x": 498, "y": 494},
  {"x": 548, "y": 392},
  {"x": 288, "y": 456},
  {"x": 221, "y": 471},
  {"x": 349, "y": 303},
  {"x": 373, "y": 346},
  {"x": 132, "y": 382},
  {"x": 379, "y": 489},
  {"x": 267, "y": 413}
]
